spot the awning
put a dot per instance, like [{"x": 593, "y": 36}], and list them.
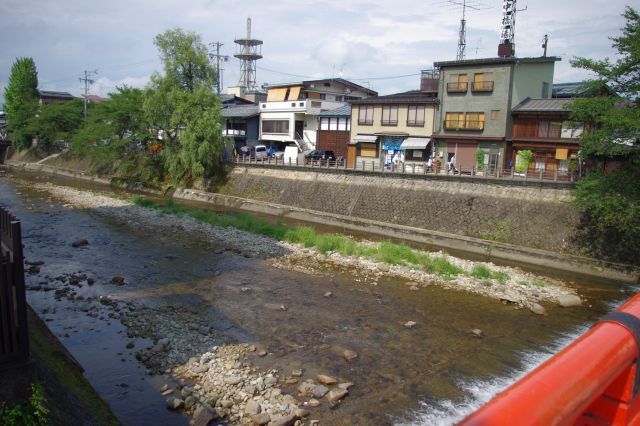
[
  {"x": 415, "y": 143},
  {"x": 364, "y": 138}
]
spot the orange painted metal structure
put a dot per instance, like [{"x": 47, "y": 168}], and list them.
[{"x": 590, "y": 382}]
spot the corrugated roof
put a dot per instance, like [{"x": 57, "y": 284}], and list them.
[
  {"x": 548, "y": 105},
  {"x": 569, "y": 90},
  {"x": 343, "y": 111},
  {"x": 240, "y": 111},
  {"x": 53, "y": 94}
]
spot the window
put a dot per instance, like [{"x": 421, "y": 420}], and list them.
[
  {"x": 415, "y": 115},
  {"x": 275, "y": 126},
  {"x": 474, "y": 120},
  {"x": 333, "y": 123},
  {"x": 454, "y": 120},
  {"x": 549, "y": 129},
  {"x": 323, "y": 96},
  {"x": 342, "y": 124},
  {"x": 389, "y": 115},
  {"x": 495, "y": 114},
  {"x": 367, "y": 150},
  {"x": 324, "y": 123},
  {"x": 458, "y": 84},
  {"x": 365, "y": 115},
  {"x": 339, "y": 98},
  {"x": 545, "y": 89},
  {"x": 482, "y": 82}
]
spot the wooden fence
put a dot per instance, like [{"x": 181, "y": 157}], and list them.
[{"x": 14, "y": 339}]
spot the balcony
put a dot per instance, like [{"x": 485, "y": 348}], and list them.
[
  {"x": 472, "y": 125},
  {"x": 482, "y": 86},
  {"x": 457, "y": 87}
]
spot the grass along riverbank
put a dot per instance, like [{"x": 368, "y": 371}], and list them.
[{"x": 385, "y": 251}]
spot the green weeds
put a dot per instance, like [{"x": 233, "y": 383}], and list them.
[
  {"x": 483, "y": 273},
  {"x": 33, "y": 414}
]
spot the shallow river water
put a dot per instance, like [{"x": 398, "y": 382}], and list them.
[{"x": 433, "y": 373}]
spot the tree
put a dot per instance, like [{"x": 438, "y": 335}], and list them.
[
  {"x": 21, "y": 100},
  {"x": 610, "y": 201},
  {"x": 182, "y": 105},
  {"x": 56, "y": 122}
]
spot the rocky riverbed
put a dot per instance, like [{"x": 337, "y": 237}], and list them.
[{"x": 517, "y": 286}]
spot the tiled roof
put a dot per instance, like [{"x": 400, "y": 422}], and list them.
[
  {"x": 570, "y": 90},
  {"x": 240, "y": 111},
  {"x": 548, "y": 105},
  {"x": 343, "y": 111},
  {"x": 412, "y": 96},
  {"x": 52, "y": 94}
]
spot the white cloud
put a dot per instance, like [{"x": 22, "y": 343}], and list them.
[{"x": 103, "y": 85}]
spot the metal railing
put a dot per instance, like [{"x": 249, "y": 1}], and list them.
[
  {"x": 413, "y": 168},
  {"x": 463, "y": 125},
  {"x": 14, "y": 339},
  {"x": 457, "y": 87},
  {"x": 482, "y": 86}
]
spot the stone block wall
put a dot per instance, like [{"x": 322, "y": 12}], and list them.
[{"x": 532, "y": 216}]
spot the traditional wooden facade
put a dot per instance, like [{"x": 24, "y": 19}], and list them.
[
  {"x": 543, "y": 127},
  {"x": 334, "y": 127}
]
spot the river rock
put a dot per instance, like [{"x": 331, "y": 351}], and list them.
[
  {"x": 296, "y": 373},
  {"x": 34, "y": 262},
  {"x": 270, "y": 381},
  {"x": 117, "y": 280},
  {"x": 261, "y": 353},
  {"x": 306, "y": 389},
  {"x": 186, "y": 391},
  {"x": 283, "y": 420},
  {"x": 313, "y": 402},
  {"x": 326, "y": 380},
  {"x": 349, "y": 355},
  {"x": 328, "y": 294},
  {"x": 252, "y": 407},
  {"x": 260, "y": 419},
  {"x": 319, "y": 391},
  {"x": 201, "y": 369},
  {"x": 175, "y": 403},
  {"x": 410, "y": 324},
  {"x": 204, "y": 415},
  {"x": 476, "y": 332},
  {"x": 538, "y": 309},
  {"x": 79, "y": 243},
  {"x": 336, "y": 395},
  {"x": 346, "y": 385},
  {"x": 233, "y": 380},
  {"x": 225, "y": 403},
  {"x": 302, "y": 412},
  {"x": 189, "y": 402},
  {"x": 569, "y": 300},
  {"x": 130, "y": 345}
]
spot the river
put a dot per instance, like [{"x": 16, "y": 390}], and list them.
[{"x": 433, "y": 373}]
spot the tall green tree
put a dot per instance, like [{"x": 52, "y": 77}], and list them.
[
  {"x": 21, "y": 100},
  {"x": 56, "y": 122},
  {"x": 610, "y": 200},
  {"x": 182, "y": 104}
]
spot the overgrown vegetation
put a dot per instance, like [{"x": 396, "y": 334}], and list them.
[
  {"x": 609, "y": 198},
  {"x": 385, "y": 251},
  {"x": 523, "y": 159},
  {"x": 32, "y": 414},
  {"x": 480, "y": 159},
  {"x": 497, "y": 230}
]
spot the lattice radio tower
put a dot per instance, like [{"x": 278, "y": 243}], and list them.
[
  {"x": 462, "y": 32},
  {"x": 249, "y": 50}
]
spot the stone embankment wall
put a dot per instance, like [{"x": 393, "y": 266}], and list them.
[{"x": 529, "y": 215}]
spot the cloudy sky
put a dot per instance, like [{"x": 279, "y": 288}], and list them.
[{"x": 380, "y": 44}]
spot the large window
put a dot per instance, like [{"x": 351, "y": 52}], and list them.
[
  {"x": 482, "y": 82},
  {"x": 365, "y": 115},
  {"x": 389, "y": 115},
  {"x": 474, "y": 120},
  {"x": 454, "y": 120},
  {"x": 549, "y": 129},
  {"x": 415, "y": 115},
  {"x": 458, "y": 83},
  {"x": 342, "y": 124},
  {"x": 275, "y": 126}
]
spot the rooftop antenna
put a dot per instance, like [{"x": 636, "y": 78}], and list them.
[
  {"x": 545, "y": 42},
  {"x": 506, "y": 48},
  {"x": 462, "y": 32},
  {"x": 249, "y": 50}
]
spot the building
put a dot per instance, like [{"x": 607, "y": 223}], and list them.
[
  {"x": 51, "y": 97},
  {"x": 385, "y": 127},
  {"x": 241, "y": 123},
  {"x": 334, "y": 130},
  {"x": 542, "y": 126},
  {"x": 476, "y": 98},
  {"x": 290, "y": 113}
]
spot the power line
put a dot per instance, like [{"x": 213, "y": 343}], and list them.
[
  {"x": 391, "y": 77},
  {"x": 218, "y": 57},
  {"x": 87, "y": 81}
]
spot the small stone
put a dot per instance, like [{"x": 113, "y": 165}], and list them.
[
  {"x": 569, "y": 300},
  {"x": 313, "y": 402},
  {"x": 164, "y": 388},
  {"x": 117, "y": 280},
  {"x": 204, "y": 415},
  {"x": 245, "y": 289},
  {"x": 167, "y": 392},
  {"x": 201, "y": 369},
  {"x": 225, "y": 403},
  {"x": 91, "y": 281},
  {"x": 410, "y": 324},
  {"x": 383, "y": 268},
  {"x": 302, "y": 412},
  {"x": 477, "y": 333},
  {"x": 319, "y": 391},
  {"x": 261, "y": 353},
  {"x": 79, "y": 243},
  {"x": 186, "y": 391},
  {"x": 346, "y": 385},
  {"x": 296, "y": 373},
  {"x": 414, "y": 288},
  {"x": 283, "y": 420},
  {"x": 252, "y": 348},
  {"x": 175, "y": 403},
  {"x": 306, "y": 389},
  {"x": 336, "y": 395},
  {"x": 283, "y": 308},
  {"x": 326, "y": 380},
  {"x": 270, "y": 381},
  {"x": 328, "y": 294},
  {"x": 189, "y": 402},
  {"x": 538, "y": 309},
  {"x": 252, "y": 407},
  {"x": 349, "y": 355},
  {"x": 130, "y": 345},
  {"x": 260, "y": 419},
  {"x": 291, "y": 381},
  {"x": 233, "y": 380}
]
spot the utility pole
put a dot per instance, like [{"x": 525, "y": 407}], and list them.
[
  {"x": 87, "y": 81},
  {"x": 545, "y": 42},
  {"x": 219, "y": 58}
]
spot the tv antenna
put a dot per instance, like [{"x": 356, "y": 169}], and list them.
[
  {"x": 462, "y": 32},
  {"x": 249, "y": 51}
]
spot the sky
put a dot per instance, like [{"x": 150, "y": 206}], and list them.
[{"x": 378, "y": 44}]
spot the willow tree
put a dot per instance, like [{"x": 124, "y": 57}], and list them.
[
  {"x": 181, "y": 103},
  {"x": 21, "y": 101}
]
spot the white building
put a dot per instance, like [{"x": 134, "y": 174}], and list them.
[{"x": 289, "y": 115}]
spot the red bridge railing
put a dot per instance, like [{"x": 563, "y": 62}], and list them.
[{"x": 591, "y": 382}]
